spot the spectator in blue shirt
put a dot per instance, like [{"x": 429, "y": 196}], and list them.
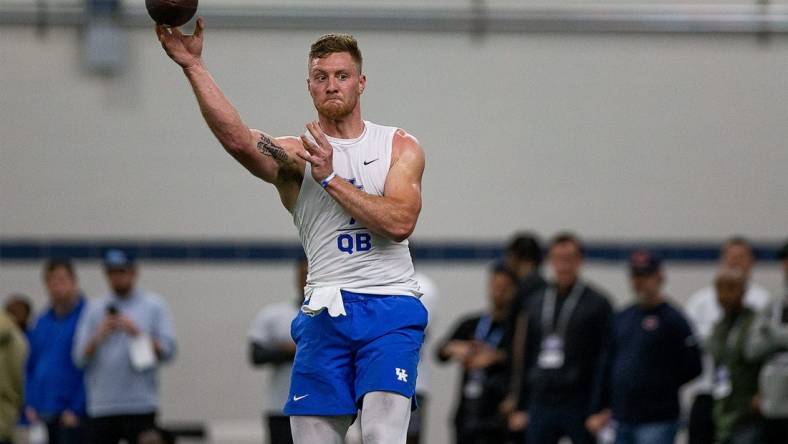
[
  {"x": 653, "y": 353},
  {"x": 55, "y": 391}
]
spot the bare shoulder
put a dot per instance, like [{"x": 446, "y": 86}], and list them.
[
  {"x": 405, "y": 146},
  {"x": 404, "y": 139}
]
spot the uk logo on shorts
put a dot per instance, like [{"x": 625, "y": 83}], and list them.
[{"x": 402, "y": 375}]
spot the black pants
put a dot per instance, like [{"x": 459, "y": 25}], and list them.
[
  {"x": 59, "y": 434},
  {"x": 750, "y": 432},
  {"x": 279, "y": 429},
  {"x": 486, "y": 437},
  {"x": 701, "y": 420},
  {"x": 417, "y": 419},
  {"x": 548, "y": 424},
  {"x": 111, "y": 429},
  {"x": 775, "y": 430}
]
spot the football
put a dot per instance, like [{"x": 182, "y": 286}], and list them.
[{"x": 171, "y": 12}]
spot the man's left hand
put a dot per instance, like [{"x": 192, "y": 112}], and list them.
[
  {"x": 69, "y": 419},
  {"x": 482, "y": 357},
  {"x": 126, "y": 324},
  {"x": 319, "y": 154},
  {"x": 598, "y": 421}
]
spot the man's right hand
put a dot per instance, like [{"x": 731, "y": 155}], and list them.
[
  {"x": 69, "y": 419},
  {"x": 596, "y": 422},
  {"x": 518, "y": 421},
  {"x": 482, "y": 356},
  {"x": 458, "y": 350},
  {"x": 185, "y": 50},
  {"x": 107, "y": 327},
  {"x": 31, "y": 414}
]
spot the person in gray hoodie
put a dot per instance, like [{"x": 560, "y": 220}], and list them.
[{"x": 121, "y": 340}]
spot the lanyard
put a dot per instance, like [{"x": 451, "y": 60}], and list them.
[
  {"x": 548, "y": 310},
  {"x": 483, "y": 331}
]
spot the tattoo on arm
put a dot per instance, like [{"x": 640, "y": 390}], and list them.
[{"x": 267, "y": 147}]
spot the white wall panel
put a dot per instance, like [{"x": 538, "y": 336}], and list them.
[
  {"x": 614, "y": 136},
  {"x": 617, "y": 137}
]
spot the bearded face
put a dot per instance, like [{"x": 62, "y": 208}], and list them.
[
  {"x": 335, "y": 85},
  {"x": 336, "y": 107}
]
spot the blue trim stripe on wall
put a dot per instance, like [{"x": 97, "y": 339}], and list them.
[{"x": 175, "y": 250}]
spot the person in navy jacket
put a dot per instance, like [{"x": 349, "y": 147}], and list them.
[{"x": 653, "y": 353}]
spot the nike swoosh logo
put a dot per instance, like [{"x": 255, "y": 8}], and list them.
[
  {"x": 297, "y": 398},
  {"x": 367, "y": 163}
]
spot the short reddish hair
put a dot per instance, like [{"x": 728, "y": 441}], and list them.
[{"x": 334, "y": 43}]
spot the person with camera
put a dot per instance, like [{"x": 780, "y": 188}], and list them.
[{"x": 120, "y": 342}]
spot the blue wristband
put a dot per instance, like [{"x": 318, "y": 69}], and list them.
[{"x": 325, "y": 181}]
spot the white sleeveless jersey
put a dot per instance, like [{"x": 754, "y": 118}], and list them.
[{"x": 342, "y": 253}]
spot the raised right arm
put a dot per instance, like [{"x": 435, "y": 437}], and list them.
[
  {"x": 267, "y": 158},
  {"x": 226, "y": 124}
]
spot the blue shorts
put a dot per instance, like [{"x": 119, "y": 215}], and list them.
[{"x": 339, "y": 360}]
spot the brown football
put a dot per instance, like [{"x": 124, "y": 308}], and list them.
[{"x": 171, "y": 12}]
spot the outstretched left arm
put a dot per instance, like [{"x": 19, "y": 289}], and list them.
[{"x": 392, "y": 215}]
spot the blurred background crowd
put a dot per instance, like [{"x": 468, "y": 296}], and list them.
[{"x": 549, "y": 357}]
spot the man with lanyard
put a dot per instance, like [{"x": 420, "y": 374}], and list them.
[
  {"x": 703, "y": 311},
  {"x": 477, "y": 343},
  {"x": 524, "y": 256},
  {"x": 770, "y": 342},
  {"x": 735, "y": 387},
  {"x": 569, "y": 325}
]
